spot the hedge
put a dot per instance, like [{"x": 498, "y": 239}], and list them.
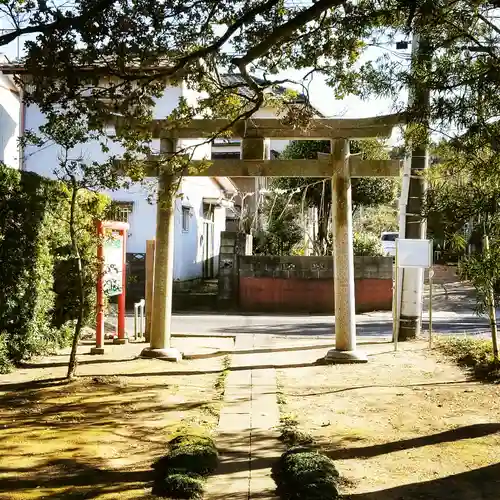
[
  {"x": 37, "y": 298},
  {"x": 182, "y": 472}
]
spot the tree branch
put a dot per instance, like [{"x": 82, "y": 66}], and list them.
[
  {"x": 62, "y": 22},
  {"x": 286, "y": 30}
]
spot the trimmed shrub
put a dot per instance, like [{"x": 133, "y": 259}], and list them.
[
  {"x": 305, "y": 474},
  {"x": 182, "y": 471},
  {"x": 190, "y": 453},
  {"x": 180, "y": 486},
  {"x": 33, "y": 231}
]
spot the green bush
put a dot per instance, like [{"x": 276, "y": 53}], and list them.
[
  {"x": 180, "y": 486},
  {"x": 181, "y": 472},
  {"x": 303, "y": 474},
  {"x": 190, "y": 453},
  {"x": 473, "y": 354},
  {"x": 367, "y": 245},
  {"x": 5, "y": 363},
  {"x": 33, "y": 230}
]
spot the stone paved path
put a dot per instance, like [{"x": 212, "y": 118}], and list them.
[{"x": 247, "y": 432}]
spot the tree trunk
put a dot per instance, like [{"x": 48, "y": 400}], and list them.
[
  {"x": 323, "y": 225},
  {"x": 491, "y": 304},
  {"x": 76, "y": 254}
]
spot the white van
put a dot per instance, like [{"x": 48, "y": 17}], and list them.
[{"x": 388, "y": 240}]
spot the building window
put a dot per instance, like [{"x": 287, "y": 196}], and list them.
[
  {"x": 228, "y": 155},
  {"x": 120, "y": 211},
  {"x": 186, "y": 214}
]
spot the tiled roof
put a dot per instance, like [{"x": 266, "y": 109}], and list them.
[{"x": 235, "y": 79}]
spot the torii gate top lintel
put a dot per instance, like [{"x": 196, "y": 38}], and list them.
[
  {"x": 255, "y": 132},
  {"x": 274, "y": 128}
]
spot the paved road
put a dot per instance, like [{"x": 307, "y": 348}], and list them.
[{"x": 371, "y": 324}]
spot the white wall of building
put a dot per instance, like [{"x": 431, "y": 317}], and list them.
[
  {"x": 189, "y": 243},
  {"x": 188, "y": 260},
  {"x": 10, "y": 117}
]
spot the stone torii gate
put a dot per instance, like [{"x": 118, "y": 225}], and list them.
[{"x": 339, "y": 165}]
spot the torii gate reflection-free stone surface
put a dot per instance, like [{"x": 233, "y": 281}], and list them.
[{"x": 339, "y": 166}]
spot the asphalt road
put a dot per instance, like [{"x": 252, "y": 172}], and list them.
[{"x": 377, "y": 324}]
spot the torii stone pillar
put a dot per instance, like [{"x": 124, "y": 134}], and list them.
[
  {"x": 343, "y": 259},
  {"x": 160, "y": 335}
]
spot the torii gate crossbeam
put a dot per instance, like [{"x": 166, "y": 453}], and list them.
[{"x": 339, "y": 166}]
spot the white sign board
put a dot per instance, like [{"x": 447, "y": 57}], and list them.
[
  {"x": 414, "y": 253},
  {"x": 113, "y": 262}
]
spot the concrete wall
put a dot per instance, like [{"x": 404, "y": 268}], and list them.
[
  {"x": 305, "y": 284},
  {"x": 10, "y": 117}
]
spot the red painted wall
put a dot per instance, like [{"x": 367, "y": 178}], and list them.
[{"x": 288, "y": 295}]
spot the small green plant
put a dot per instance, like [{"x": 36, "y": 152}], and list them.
[
  {"x": 290, "y": 434},
  {"x": 181, "y": 472},
  {"x": 303, "y": 474},
  {"x": 220, "y": 382},
  {"x": 181, "y": 486},
  {"x": 367, "y": 245},
  {"x": 5, "y": 363},
  {"x": 474, "y": 354},
  {"x": 193, "y": 453}
]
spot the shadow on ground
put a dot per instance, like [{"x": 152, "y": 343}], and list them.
[
  {"x": 95, "y": 437},
  {"x": 72, "y": 478},
  {"x": 479, "y": 484},
  {"x": 470, "y": 325}
]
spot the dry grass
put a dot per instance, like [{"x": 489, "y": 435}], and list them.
[
  {"x": 98, "y": 436},
  {"x": 406, "y": 425},
  {"x": 476, "y": 355}
]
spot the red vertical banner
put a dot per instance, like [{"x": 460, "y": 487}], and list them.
[
  {"x": 121, "y": 297},
  {"x": 99, "y": 331},
  {"x": 112, "y": 278}
]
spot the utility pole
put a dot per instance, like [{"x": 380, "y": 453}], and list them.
[{"x": 414, "y": 226}]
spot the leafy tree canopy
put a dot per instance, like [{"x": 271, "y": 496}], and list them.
[
  {"x": 141, "y": 46},
  {"x": 318, "y": 192}
]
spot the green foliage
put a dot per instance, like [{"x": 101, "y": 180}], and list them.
[
  {"x": 180, "y": 473},
  {"x": 367, "y": 245},
  {"x": 304, "y": 474},
  {"x": 317, "y": 193},
  {"x": 292, "y": 436},
  {"x": 5, "y": 363},
  {"x": 190, "y": 453},
  {"x": 483, "y": 271},
  {"x": 79, "y": 43},
  {"x": 375, "y": 220},
  {"x": 473, "y": 354},
  {"x": 180, "y": 486},
  {"x": 283, "y": 231},
  {"x": 34, "y": 314},
  {"x": 459, "y": 195}
]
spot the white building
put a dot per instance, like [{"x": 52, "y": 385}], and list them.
[
  {"x": 10, "y": 121},
  {"x": 200, "y": 210},
  {"x": 204, "y": 203}
]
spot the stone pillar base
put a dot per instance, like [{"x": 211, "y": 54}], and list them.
[
  {"x": 97, "y": 350},
  {"x": 118, "y": 341},
  {"x": 169, "y": 354},
  {"x": 409, "y": 328},
  {"x": 333, "y": 356}
]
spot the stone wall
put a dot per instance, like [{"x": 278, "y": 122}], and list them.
[
  {"x": 305, "y": 284},
  {"x": 233, "y": 246}
]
